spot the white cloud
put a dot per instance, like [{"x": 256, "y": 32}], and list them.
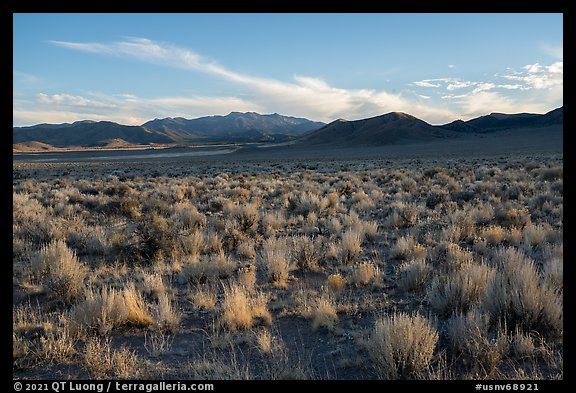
[
  {"x": 537, "y": 76},
  {"x": 460, "y": 85},
  {"x": 29, "y": 117},
  {"x": 451, "y": 66},
  {"x": 304, "y": 96},
  {"x": 484, "y": 86},
  {"x": 128, "y": 108},
  {"x": 70, "y": 100},
  {"x": 426, "y": 84}
]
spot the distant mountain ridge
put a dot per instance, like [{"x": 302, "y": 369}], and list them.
[
  {"x": 234, "y": 123},
  {"x": 236, "y": 127},
  {"x": 498, "y": 121},
  {"x": 390, "y": 128},
  {"x": 401, "y": 128}
]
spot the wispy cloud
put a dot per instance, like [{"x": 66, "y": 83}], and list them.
[
  {"x": 556, "y": 51},
  {"x": 426, "y": 83},
  {"x": 303, "y": 96},
  {"x": 71, "y": 101},
  {"x": 127, "y": 108},
  {"x": 444, "y": 99},
  {"x": 540, "y": 77}
]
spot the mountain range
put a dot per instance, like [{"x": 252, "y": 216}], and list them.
[{"x": 236, "y": 127}]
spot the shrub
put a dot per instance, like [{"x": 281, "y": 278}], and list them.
[
  {"x": 408, "y": 248},
  {"x": 436, "y": 196},
  {"x": 242, "y": 310},
  {"x": 275, "y": 260},
  {"x": 415, "y": 275},
  {"x": 56, "y": 346},
  {"x": 336, "y": 283},
  {"x": 246, "y": 216},
  {"x": 350, "y": 247},
  {"x": 204, "y": 297},
  {"x": 403, "y": 215},
  {"x": 166, "y": 316},
  {"x": 307, "y": 252},
  {"x": 493, "y": 234},
  {"x": 101, "y": 361},
  {"x": 469, "y": 334},
  {"x": 518, "y": 297},
  {"x": 535, "y": 235},
  {"x": 459, "y": 290},
  {"x": 104, "y": 310},
  {"x": 208, "y": 268},
  {"x": 188, "y": 216},
  {"x": 324, "y": 313},
  {"x": 247, "y": 276},
  {"x": 62, "y": 272},
  {"x": 509, "y": 216},
  {"x": 364, "y": 273},
  {"x": 306, "y": 203},
  {"x": 401, "y": 346}
]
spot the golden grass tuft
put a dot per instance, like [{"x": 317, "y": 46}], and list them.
[
  {"x": 402, "y": 346},
  {"x": 243, "y": 310},
  {"x": 59, "y": 269},
  {"x": 324, "y": 314},
  {"x": 336, "y": 283},
  {"x": 364, "y": 273}
]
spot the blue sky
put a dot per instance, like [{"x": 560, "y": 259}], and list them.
[{"x": 131, "y": 68}]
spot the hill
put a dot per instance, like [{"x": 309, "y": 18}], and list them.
[{"x": 391, "y": 128}]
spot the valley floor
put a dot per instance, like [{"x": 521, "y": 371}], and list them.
[{"x": 264, "y": 266}]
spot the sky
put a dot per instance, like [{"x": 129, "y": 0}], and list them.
[{"x": 131, "y": 68}]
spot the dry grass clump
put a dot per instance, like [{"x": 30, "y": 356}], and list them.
[
  {"x": 246, "y": 250},
  {"x": 305, "y": 203},
  {"x": 272, "y": 222},
  {"x": 323, "y": 313},
  {"x": 59, "y": 269},
  {"x": 55, "y": 346},
  {"x": 274, "y": 258},
  {"x": 469, "y": 334},
  {"x": 554, "y": 268},
  {"x": 509, "y": 216},
  {"x": 307, "y": 252},
  {"x": 402, "y": 346},
  {"x": 517, "y": 295},
  {"x": 245, "y": 215},
  {"x": 242, "y": 309},
  {"x": 166, "y": 316},
  {"x": 364, "y": 273},
  {"x": 204, "y": 297},
  {"x": 104, "y": 310},
  {"x": 188, "y": 217},
  {"x": 459, "y": 290},
  {"x": 414, "y": 275},
  {"x": 536, "y": 235},
  {"x": 493, "y": 234},
  {"x": 336, "y": 283},
  {"x": 349, "y": 247},
  {"x": 402, "y": 215},
  {"x": 452, "y": 256},
  {"x": 102, "y": 361},
  {"x": 247, "y": 276},
  {"x": 208, "y": 268},
  {"x": 407, "y": 247}
]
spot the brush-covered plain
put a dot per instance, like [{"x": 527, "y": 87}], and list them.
[{"x": 290, "y": 269}]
